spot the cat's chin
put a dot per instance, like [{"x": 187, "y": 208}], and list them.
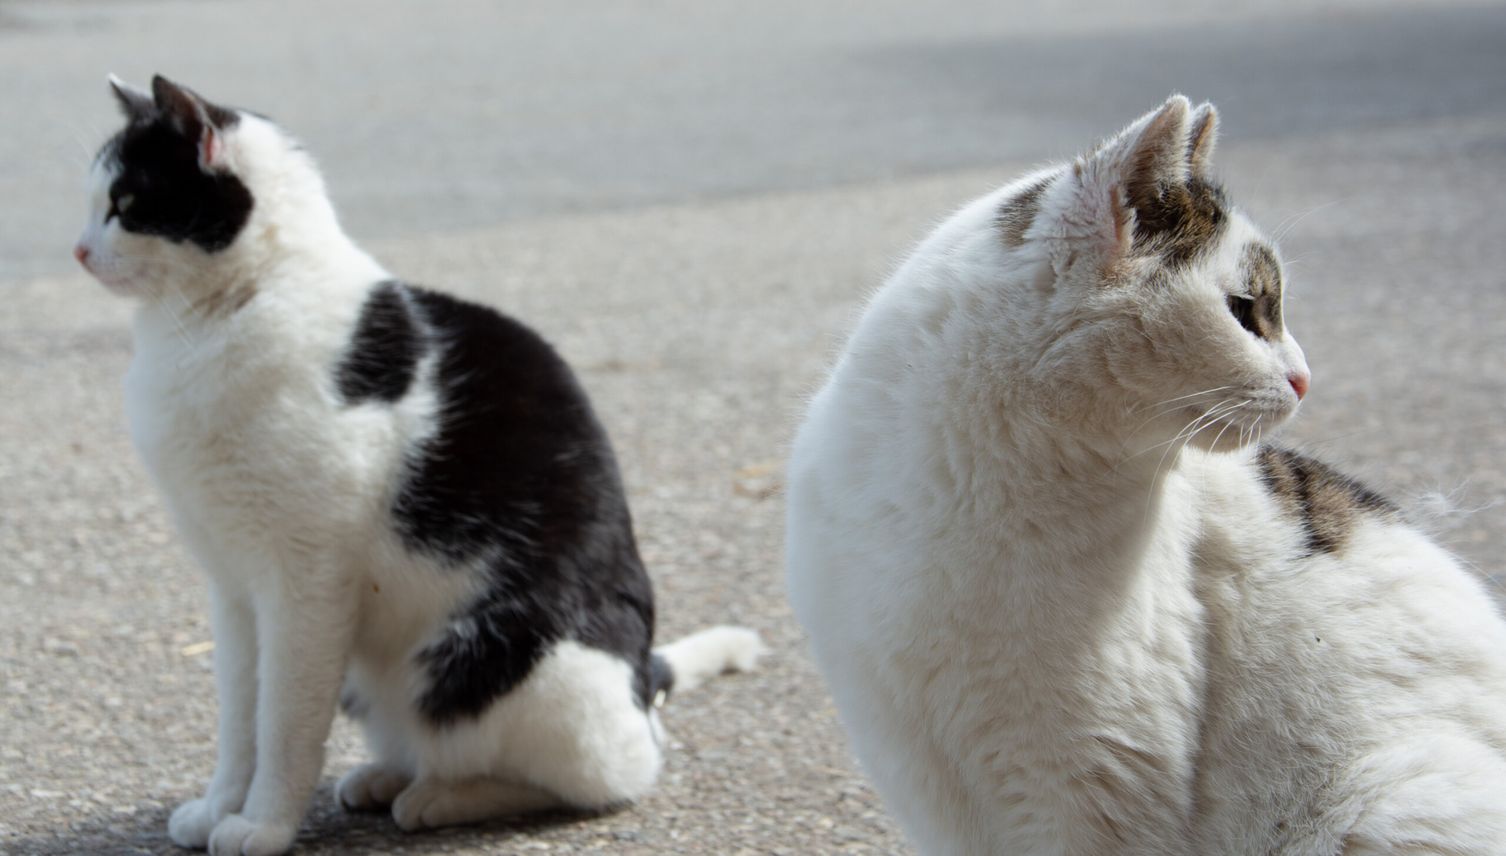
[
  {"x": 115, "y": 285},
  {"x": 1232, "y": 441},
  {"x": 107, "y": 276},
  {"x": 124, "y": 289},
  {"x": 1234, "y": 434}
]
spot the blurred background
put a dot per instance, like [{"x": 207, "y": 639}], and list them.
[{"x": 692, "y": 199}]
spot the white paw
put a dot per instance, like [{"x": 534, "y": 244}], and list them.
[
  {"x": 237, "y": 836},
  {"x": 415, "y": 808},
  {"x": 433, "y": 804},
  {"x": 371, "y": 786},
  {"x": 192, "y": 821}
]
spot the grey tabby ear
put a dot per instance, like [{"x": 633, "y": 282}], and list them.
[
  {"x": 1137, "y": 179},
  {"x": 1157, "y": 153},
  {"x": 135, "y": 103},
  {"x": 1201, "y": 139}
]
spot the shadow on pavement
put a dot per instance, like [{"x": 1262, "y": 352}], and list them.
[{"x": 327, "y": 829}]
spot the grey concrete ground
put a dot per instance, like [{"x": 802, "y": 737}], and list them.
[{"x": 691, "y": 199}]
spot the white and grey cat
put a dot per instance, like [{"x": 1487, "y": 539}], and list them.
[
  {"x": 1065, "y": 599},
  {"x": 391, "y": 490}
]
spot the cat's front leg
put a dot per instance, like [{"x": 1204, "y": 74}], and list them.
[
  {"x": 234, "y": 627},
  {"x": 305, "y": 629}
]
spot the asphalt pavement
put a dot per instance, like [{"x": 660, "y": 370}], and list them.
[{"x": 692, "y": 199}]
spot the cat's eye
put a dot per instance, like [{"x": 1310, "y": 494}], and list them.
[
  {"x": 119, "y": 205},
  {"x": 1242, "y": 307}
]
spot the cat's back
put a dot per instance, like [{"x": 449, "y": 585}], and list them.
[
  {"x": 514, "y": 434},
  {"x": 1350, "y": 657},
  {"x": 1303, "y": 564}
]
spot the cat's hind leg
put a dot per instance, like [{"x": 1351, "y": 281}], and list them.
[
  {"x": 373, "y": 786},
  {"x": 571, "y": 735}
]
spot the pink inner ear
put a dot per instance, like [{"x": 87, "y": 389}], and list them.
[{"x": 210, "y": 149}]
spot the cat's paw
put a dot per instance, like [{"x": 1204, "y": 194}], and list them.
[
  {"x": 371, "y": 787},
  {"x": 418, "y": 806},
  {"x": 190, "y": 823},
  {"x": 432, "y": 803},
  {"x": 239, "y": 836}
]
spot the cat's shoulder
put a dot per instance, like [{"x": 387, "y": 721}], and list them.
[{"x": 1286, "y": 500}]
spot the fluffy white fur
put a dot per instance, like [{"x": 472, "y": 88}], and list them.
[
  {"x": 1058, "y": 609},
  {"x": 282, "y": 494}
]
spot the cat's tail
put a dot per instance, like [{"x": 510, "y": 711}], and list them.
[{"x": 688, "y": 662}]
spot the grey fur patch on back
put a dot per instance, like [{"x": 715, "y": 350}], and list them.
[
  {"x": 1326, "y": 502},
  {"x": 1016, "y": 215}
]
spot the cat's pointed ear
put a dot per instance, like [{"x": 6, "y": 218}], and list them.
[
  {"x": 136, "y": 103},
  {"x": 1132, "y": 172},
  {"x": 195, "y": 118},
  {"x": 1201, "y": 139},
  {"x": 1151, "y": 154}
]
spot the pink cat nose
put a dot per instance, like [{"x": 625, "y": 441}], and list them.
[
  {"x": 1299, "y": 382},
  {"x": 81, "y": 253}
]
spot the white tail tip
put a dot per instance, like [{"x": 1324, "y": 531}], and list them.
[{"x": 710, "y": 652}]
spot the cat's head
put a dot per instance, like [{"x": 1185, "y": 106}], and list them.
[
  {"x": 185, "y": 196},
  {"x": 1164, "y": 301}
]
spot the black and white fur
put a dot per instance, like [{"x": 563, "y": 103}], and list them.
[{"x": 403, "y": 502}]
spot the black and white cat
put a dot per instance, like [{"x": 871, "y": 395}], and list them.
[
  {"x": 1066, "y": 601},
  {"x": 392, "y": 491}
]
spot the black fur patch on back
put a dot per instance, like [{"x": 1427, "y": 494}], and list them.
[
  {"x": 169, "y": 195},
  {"x": 1326, "y": 502},
  {"x": 520, "y": 482},
  {"x": 384, "y": 352},
  {"x": 1179, "y": 221}
]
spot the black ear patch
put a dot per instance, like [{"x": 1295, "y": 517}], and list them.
[
  {"x": 135, "y": 104},
  {"x": 187, "y": 110},
  {"x": 170, "y": 195}
]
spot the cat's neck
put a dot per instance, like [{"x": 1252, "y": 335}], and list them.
[
  {"x": 303, "y": 249},
  {"x": 1043, "y": 481},
  {"x": 1042, "y": 449}
]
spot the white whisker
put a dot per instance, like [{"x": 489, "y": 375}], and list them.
[
  {"x": 1188, "y": 395},
  {"x": 1291, "y": 222}
]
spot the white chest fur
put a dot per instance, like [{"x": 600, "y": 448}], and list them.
[{"x": 238, "y": 419}]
